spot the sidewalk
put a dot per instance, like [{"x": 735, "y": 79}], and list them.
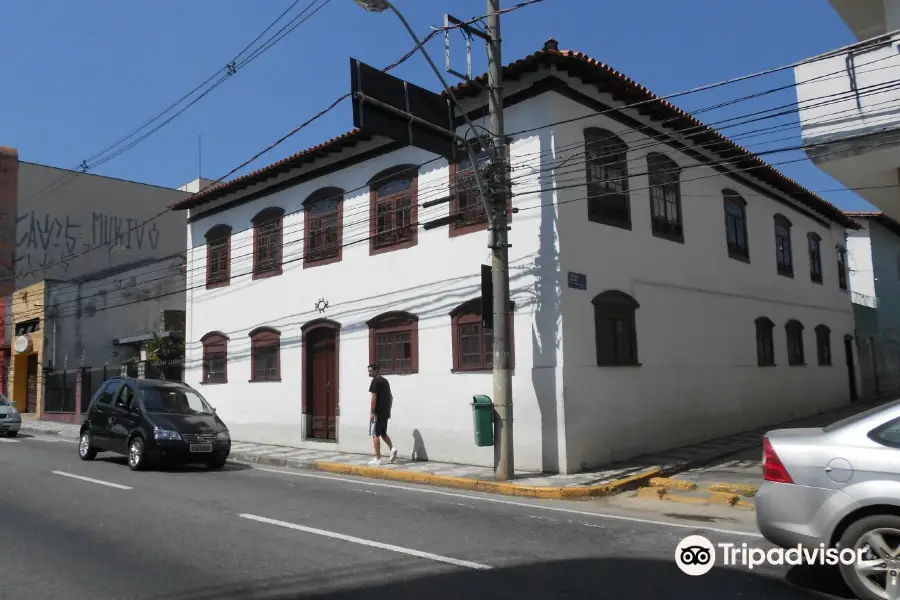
[{"x": 655, "y": 471}]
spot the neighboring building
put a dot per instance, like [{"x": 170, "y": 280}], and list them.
[
  {"x": 848, "y": 101},
  {"x": 873, "y": 257},
  {"x": 87, "y": 243},
  {"x": 687, "y": 299}
]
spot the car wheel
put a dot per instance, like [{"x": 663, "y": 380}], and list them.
[
  {"x": 12, "y": 433},
  {"x": 877, "y": 576},
  {"x": 85, "y": 450},
  {"x": 136, "y": 454},
  {"x": 217, "y": 462}
]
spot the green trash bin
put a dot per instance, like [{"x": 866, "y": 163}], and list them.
[{"x": 483, "y": 415}]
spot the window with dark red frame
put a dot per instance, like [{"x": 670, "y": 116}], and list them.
[
  {"x": 322, "y": 226},
  {"x": 842, "y": 267},
  {"x": 267, "y": 242},
  {"x": 784, "y": 255},
  {"x": 265, "y": 354},
  {"x": 765, "y": 342},
  {"x": 218, "y": 256},
  {"x": 465, "y": 201},
  {"x": 736, "y": 225},
  {"x": 215, "y": 357},
  {"x": 606, "y": 163},
  {"x": 473, "y": 343},
  {"x": 665, "y": 197},
  {"x": 815, "y": 257},
  {"x": 394, "y": 209},
  {"x": 794, "y": 331},
  {"x": 394, "y": 342},
  {"x": 615, "y": 329},
  {"x": 823, "y": 345}
]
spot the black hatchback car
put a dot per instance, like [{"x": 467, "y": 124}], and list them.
[{"x": 149, "y": 420}]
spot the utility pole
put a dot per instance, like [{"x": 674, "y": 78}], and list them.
[{"x": 504, "y": 464}]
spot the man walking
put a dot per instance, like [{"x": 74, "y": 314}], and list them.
[{"x": 379, "y": 413}]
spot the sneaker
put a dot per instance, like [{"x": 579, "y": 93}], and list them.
[
  {"x": 393, "y": 455},
  {"x": 375, "y": 461}
]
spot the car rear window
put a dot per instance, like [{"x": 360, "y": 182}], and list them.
[
  {"x": 859, "y": 417},
  {"x": 4, "y": 401}
]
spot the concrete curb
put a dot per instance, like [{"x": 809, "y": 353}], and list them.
[{"x": 462, "y": 483}]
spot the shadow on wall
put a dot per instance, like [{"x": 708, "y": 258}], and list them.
[
  {"x": 419, "y": 453},
  {"x": 545, "y": 333},
  {"x": 610, "y": 578}
]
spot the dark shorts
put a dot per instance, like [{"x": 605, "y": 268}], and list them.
[{"x": 379, "y": 427}]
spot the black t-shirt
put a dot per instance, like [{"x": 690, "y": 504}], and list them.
[{"x": 383, "y": 398}]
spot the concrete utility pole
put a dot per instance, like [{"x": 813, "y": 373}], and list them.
[{"x": 504, "y": 464}]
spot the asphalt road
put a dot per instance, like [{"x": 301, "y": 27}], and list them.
[{"x": 192, "y": 534}]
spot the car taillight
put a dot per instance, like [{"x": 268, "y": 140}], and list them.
[{"x": 773, "y": 468}]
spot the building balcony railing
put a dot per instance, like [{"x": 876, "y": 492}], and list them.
[
  {"x": 864, "y": 300},
  {"x": 850, "y": 94}
]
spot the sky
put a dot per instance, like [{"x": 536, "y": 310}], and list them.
[{"x": 80, "y": 76}]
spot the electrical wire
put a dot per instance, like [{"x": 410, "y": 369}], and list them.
[{"x": 223, "y": 73}]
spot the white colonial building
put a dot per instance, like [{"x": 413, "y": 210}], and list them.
[{"x": 668, "y": 286}]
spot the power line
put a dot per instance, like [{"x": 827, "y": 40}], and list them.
[
  {"x": 442, "y": 190},
  {"x": 223, "y": 73}
]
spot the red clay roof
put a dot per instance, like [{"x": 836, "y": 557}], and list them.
[{"x": 576, "y": 64}]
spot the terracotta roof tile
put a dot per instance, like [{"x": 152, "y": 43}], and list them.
[{"x": 575, "y": 63}]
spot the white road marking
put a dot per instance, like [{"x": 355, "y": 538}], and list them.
[
  {"x": 9, "y": 441},
  {"x": 570, "y": 511},
  {"x": 51, "y": 439},
  {"x": 88, "y": 479},
  {"x": 370, "y": 543}
]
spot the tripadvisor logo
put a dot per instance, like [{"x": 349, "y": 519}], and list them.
[{"x": 696, "y": 555}]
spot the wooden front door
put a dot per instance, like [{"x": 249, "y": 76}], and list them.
[{"x": 321, "y": 381}]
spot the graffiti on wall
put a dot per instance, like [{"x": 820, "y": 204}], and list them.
[{"x": 47, "y": 241}]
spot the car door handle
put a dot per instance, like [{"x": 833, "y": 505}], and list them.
[{"x": 828, "y": 469}]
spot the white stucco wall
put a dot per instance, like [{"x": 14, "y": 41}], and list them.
[
  {"x": 428, "y": 280},
  {"x": 859, "y": 260},
  {"x": 698, "y": 376}
]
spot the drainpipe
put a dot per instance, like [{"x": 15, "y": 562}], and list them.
[{"x": 53, "y": 346}]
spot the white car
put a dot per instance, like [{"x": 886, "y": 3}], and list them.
[{"x": 10, "y": 419}]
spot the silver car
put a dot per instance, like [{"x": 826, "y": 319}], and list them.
[
  {"x": 838, "y": 486},
  {"x": 10, "y": 419}
]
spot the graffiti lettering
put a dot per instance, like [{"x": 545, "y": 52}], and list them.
[
  {"x": 123, "y": 232},
  {"x": 45, "y": 233}
]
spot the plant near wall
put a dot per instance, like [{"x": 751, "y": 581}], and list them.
[{"x": 164, "y": 348}]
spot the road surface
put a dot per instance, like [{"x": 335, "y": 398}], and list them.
[{"x": 79, "y": 530}]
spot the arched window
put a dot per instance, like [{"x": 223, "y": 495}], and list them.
[
  {"x": 265, "y": 354},
  {"x": 606, "y": 162},
  {"x": 215, "y": 357},
  {"x": 465, "y": 201},
  {"x": 615, "y": 329},
  {"x": 794, "y": 331},
  {"x": 394, "y": 209},
  {"x": 815, "y": 257},
  {"x": 322, "y": 229},
  {"x": 473, "y": 342},
  {"x": 783, "y": 253},
  {"x": 823, "y": 345},
  {"x": 267, "y": 242},
  {"x": 665, "y": 197},
  {"x": 736, "y": 225},
  {"x": 218, "y": 256},
  {"x": 842, "y": 267},
  {"x": 765, "y": 342},
  {"x": 394, "y": 342}
]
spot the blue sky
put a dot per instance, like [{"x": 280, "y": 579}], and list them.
[{"x": 81, "y": 75}]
